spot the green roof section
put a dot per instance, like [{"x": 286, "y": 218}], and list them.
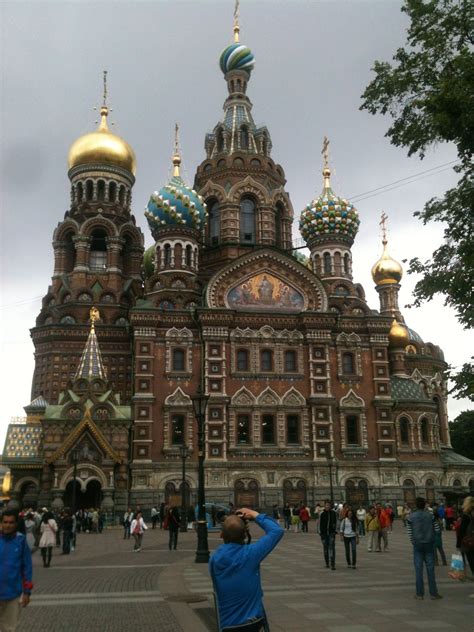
[
  {"x": 406, "y": 389},
  {"x": 450, "y": 457}
]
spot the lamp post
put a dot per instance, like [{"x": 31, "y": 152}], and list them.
[
  {"x": 74, "y": 456},
  {"x": 331, "y": 491},
  {"x": 199, "y": 406},
  {"x": 183, "y": 451}
]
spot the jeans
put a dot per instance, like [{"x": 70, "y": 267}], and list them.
[
  {"x": 383, "y": 535},
  {"x": 173, "y": 541},
  {"x": 329, "y": 547},
  {"x": 138, "y": 537},
  {"x": 424, "y": 554},
  {"x": 67, "y": 539},
  {"x": 350, "y": 545},
  {"x": 361, "y": 527},
  {"x": 304, "y": 526},
  {"x": 439, "y": 548}
]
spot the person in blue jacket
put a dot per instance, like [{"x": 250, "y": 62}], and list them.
[
  {"x": 235, "y": 572},
  {"x": 16, "y": 572}
]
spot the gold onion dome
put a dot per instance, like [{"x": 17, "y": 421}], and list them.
[
  {"x": 398, "y": 335},
  {"x": 386, "y": 270},
  {"x": 101, "y": 147}
]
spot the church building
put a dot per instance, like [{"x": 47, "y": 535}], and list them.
[{"x": 309, "y": 389}]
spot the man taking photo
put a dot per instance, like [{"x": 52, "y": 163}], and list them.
[
  {"x": 235, "y": 572},
  {"x": 16, "y": 572}
]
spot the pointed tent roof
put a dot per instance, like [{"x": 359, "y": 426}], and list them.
[{"x": 91, "y": 365}]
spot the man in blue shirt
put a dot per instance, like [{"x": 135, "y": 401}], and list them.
[
  {"x": 235, "y": 572},
  {"x": 422, "y": 527},
  {"x": 16, "y": 572}
]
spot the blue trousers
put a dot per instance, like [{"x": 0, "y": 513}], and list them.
[
  {"x": 424, "y": 554},
  {"x": 329, "y": 547}
]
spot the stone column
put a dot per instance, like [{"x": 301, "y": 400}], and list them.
[
  {"x": 114, "y": 247},
  {"x": 82, "y": 245}
]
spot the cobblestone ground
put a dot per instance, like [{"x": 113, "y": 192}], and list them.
[{"x": 104, "y": 587}]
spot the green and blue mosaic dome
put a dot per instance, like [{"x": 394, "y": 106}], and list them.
[
  {"x": 329, "y": 215},
  {"x": 175, "y": 204},
  {"x": 236, "y": 57}
]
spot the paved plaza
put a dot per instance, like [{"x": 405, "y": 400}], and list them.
[{"x": 104, "y": 587}]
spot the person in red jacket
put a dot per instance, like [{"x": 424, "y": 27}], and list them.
[
  {"x": 384, "y": 521},
  {"x": 304, "y": 517}
]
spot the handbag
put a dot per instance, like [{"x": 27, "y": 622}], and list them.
[{"x": 457, "y": 567}]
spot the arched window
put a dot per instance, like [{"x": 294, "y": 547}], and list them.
[
  {"x": 243, "y": 429},
  {"x": 430, "y": 492},
  {"x": 167, "y": 255},
  {"x": 214, "y": 223},
  {"x": 100, "y": 190},
  {"x": 122, "y": 194},
  {"x": 89, "y": 190},
  {"x": 348, "y": 364},
  {"x": 347, "y": 264},
  {"x": 247, "y": 221},
  {"x": 440, "y": 411},
  {"x": 98, "y": 252},
  {"x": 409, "y": 492},
  {"x": 290, "y": 361},
  {"x": 179, "y": 357},
  {"x": 352, "y": 430},
  {"x": 177, "y": 430},
  {"x": 79, "y": 192},
  {"x": 69, "y": 253},
  {"x": 425, "y": 437},
  {"x": 292, "y": 429},
  {"x": 244, "y": 137},
  {"x": 189, "y": 256},
  {"x": 268, "y": 429},
  {"x": 266, "y": 360},
  {"x": 327, "y": 263},
  {"x": 242, "y": 360},
  {"x": 404, "y": 431},
  {"x": 112, "y": 192}
]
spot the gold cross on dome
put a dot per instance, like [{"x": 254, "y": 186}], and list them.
[
  {"x": 325, "y": 152},
  {"x": 383, "y": 225},
  {"x": 94, "y": 315}
]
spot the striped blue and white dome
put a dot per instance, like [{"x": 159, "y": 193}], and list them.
[{"x": 236, "y": 57}]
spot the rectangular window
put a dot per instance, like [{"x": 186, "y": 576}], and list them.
[
  {"x": 292, "y": 429},
  {"x": 177, "y": 429},
  {"x": 266, "y": 360},
  {"x": 352, "y": 430},
  {"x": 243, "y": 429},
  {"x": 290, "y": 361},
  {"x": 268, "y": 429},
  {"x": 348, "y": 365},
  {"x": 242, "y": 360},
  {"x": 98, "y": 260},
  {"x": 178, "y": 360}
]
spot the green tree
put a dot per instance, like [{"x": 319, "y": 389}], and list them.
[
  {"x": 428, "y": 91},
  {"x": 461, "y": 431}
]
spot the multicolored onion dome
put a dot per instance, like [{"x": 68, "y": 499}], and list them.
[
  {"x": 236, "y": 57},
  {"x": 329, "y": 215},
  {"x": 175, "y": 204}
]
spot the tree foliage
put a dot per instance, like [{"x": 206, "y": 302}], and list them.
[
  {"x": 428, "y": 91},
  {"x": 461, "y": 431}
]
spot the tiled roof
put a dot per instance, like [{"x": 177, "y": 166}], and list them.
[
  {"x": 407, "y": 389},
  {"x": 24, "y": 441},
  {"x": 451, "y": 457},
  {"x": 39, "y": 403}
]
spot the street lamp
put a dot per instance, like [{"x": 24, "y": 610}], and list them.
[
  {"x": 199, "y": 406},
  {"x": 331, "y": 491},
  {"x": 183, "y": 451},
  {"x": 74, "y": 456}
]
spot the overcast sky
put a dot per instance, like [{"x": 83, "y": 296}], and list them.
[{"x": 313, "y": 61}]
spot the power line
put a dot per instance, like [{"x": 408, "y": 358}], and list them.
[{"x": 22, "y": 302}]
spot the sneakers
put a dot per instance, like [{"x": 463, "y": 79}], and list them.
[
  {"x": 437, "y": 596},
  {"x": 419, "y": 597},
  {"x": 333, "y": 568}
]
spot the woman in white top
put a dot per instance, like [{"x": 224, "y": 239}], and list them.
[
  {"x": 137, "y": 529},
  {"x": 349, "y": 534},
  {"x": 361, "y": 514},
  {"x": 48, "y": 530}
]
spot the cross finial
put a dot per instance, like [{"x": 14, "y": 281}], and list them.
[
  {"x": 105, "y": 87},
  {"x": 236, "y": 21},
  {"x": 383, "y": 225},
  {"x": 176, "y": 154},
  {"x": 94, "y": 315},
  {"x": 325, "y": 152}
]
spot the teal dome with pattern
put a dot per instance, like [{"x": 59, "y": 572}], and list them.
[
  {"x": 329, "y": 215},
  {"x": 236, "y": 57},
  {"x": 175, "y": 204}
]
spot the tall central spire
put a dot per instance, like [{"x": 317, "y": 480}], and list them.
[
  {"x": 236, "y": 21},
  {"x": 91, "y": 365}
]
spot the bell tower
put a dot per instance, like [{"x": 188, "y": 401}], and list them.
[{"x": 98, "y": 251}]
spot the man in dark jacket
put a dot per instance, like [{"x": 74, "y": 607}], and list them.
[
  {"x": 16, "y": 572},
  {"x": 421, "y": 526},
  {"x": 327, "y": 531},
  {"x": 235, "y": 571}
]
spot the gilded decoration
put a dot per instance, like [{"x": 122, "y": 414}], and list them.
[{"x": 265, "y": 291}]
